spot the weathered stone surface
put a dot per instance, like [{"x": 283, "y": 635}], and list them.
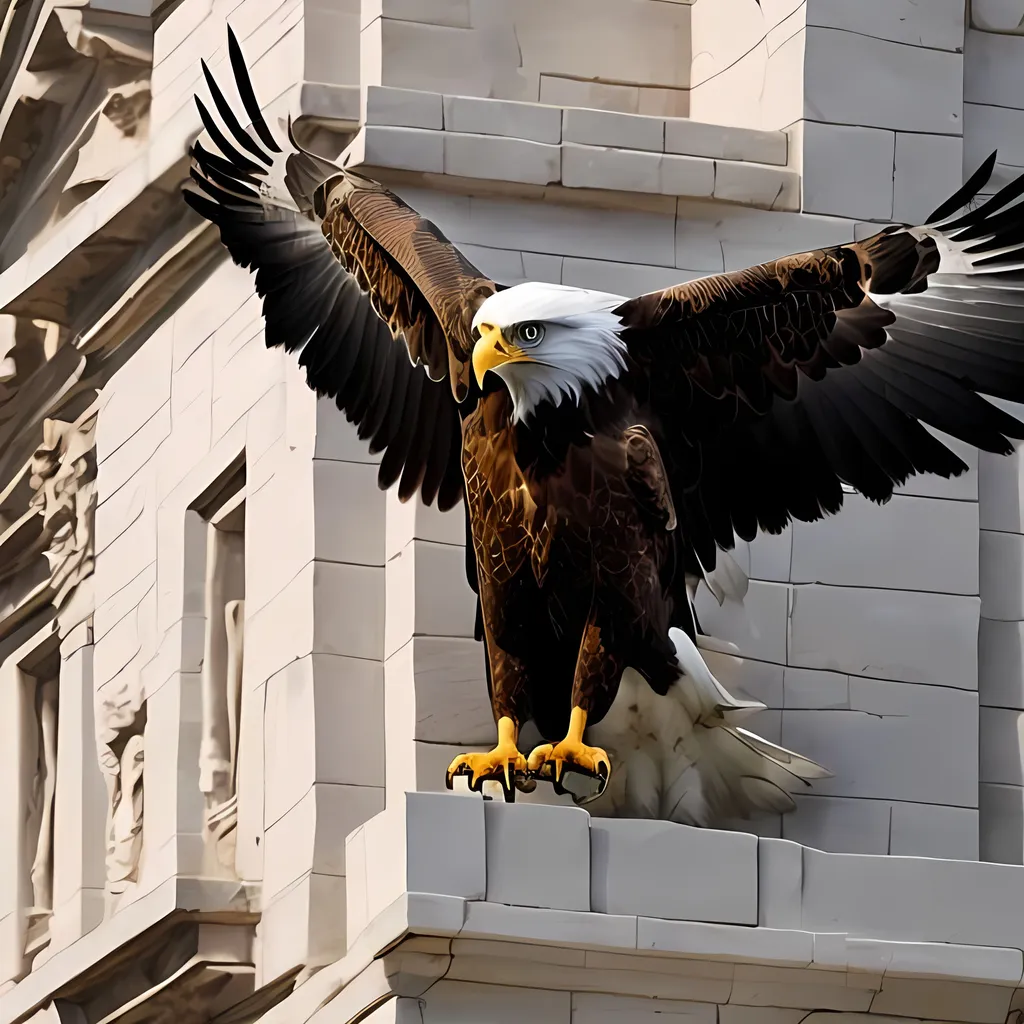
[
  {"x": 529, "y": 121},
  {"x": 927, "y": 170},
  {"x": 848, "y": 170},
  {"x": 886, "y": 634},
  {"x": 695, "y": 139},
  {"x": 940, "y": 26},
  {"x": 630, "y": 859},
  {"x": 620, "y": 169},
  {"x": 404, "y": 108},
  {"x": 891, "y": 546},
  {"x": 501, "y": 159},
  {"x": 912, "y": 88},
  {"x": 538, "y": 856},
  {"x": 617, "y": 131},
  {"x": 772, "y": 188}
]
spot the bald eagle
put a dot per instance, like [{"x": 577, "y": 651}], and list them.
[{"x": 607, "y": 448}]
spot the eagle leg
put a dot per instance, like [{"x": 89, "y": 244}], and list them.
[
  {"x": 563, "y": 763},
  {"x": 504, "y": 764},
  {"x": 507, "y": 687}
]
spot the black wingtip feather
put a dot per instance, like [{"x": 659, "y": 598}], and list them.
[
  {"x": 238, "y": 133},
  {"x": 964, "y": 195},
  {"x": 1006, "y": 195},
  {"x": 247, "y": 95},
  {"x": 205, "y": 159},
  {"x": 233, "y": 185},
  {"x": 242, "y": 162},
  {"x": 203, "y": 205}
]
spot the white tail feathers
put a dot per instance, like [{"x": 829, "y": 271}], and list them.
[
  {"x": 739, "y": 771},
  {"x": 707, "y": 695},
  {"x": 685, "y": 757}
]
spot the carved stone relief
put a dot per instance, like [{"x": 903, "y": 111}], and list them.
[
  {"x": 38, "y": 834},
  {"x": 78, "y": 113},
  {"x": 28, "y": 766},
  {"x": 222, "y": 696},
  {"x": 121, "y": 748},
  {"x": 64, "y": 481}
]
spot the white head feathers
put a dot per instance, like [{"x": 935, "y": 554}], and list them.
[{"x": 580, "y": 346}]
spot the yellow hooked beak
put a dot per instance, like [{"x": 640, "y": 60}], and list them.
[{"x": 493, "y": 350}]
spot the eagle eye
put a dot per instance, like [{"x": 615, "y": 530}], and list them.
[{"x": 529, "y": 334}]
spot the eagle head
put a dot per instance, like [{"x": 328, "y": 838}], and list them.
[{"x": 548, "y": 342}]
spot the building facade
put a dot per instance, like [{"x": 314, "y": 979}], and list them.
[{"x": 232, "y": 671}]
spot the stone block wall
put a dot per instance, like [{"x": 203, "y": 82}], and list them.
[
  {"x": 274, "y": 40},
  {"x": 865, "y": 643},
  {"x": 748, "y": 61},
  {"x": 873, "y": 95},
  {"x": 205, "y": 399},
  {"x": 626, "y": 55},
  {"x": 1000, "y": 661},
  {"x": 994, "y": 86},
  {"x": 993, "y": 115}
]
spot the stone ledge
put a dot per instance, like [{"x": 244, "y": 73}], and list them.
[
  {"x": 550, "y": 147},
  {"x": 502, "y": 849},
  {"x": 867, "y": 924},
  {"x": 420, "y": 938}
]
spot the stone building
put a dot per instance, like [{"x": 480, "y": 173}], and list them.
[{"x": 232, "y": 671}]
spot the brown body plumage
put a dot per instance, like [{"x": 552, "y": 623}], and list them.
[{"x": 603, "y": 467}]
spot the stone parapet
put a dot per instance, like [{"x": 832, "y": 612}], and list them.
[{"x": 449, "y": 895}]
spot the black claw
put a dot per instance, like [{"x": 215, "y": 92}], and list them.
[
  {"x": 579, "y": 780},
  {"x": 509, "y": 785},
  {"x": 526, "y": 783}
]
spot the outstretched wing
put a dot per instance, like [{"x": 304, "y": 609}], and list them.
[
  {"x": 774, "y": 386},
  {"x": 375, "y": 299}
]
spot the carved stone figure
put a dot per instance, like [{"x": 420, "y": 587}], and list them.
[
  {"x": 121, "y": 742},
  {"x": 39, "y": 834},
  {"x": 222, "y": 695},
  {"x": 64, "y": 481}
]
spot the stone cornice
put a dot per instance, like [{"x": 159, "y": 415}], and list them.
[
  {"x": 147, "y": 925},
  {"x": 74, "y": 109},
  {"x": 569, "y": 154}
]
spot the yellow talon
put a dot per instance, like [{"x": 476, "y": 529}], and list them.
[
  {"x": 501, "y": 763},
  {"x": 571, "y": 752}
]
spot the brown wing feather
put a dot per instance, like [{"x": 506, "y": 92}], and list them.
[
  {"x": 749, "y": 334},
  {"x": 434, "y": 268}
]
